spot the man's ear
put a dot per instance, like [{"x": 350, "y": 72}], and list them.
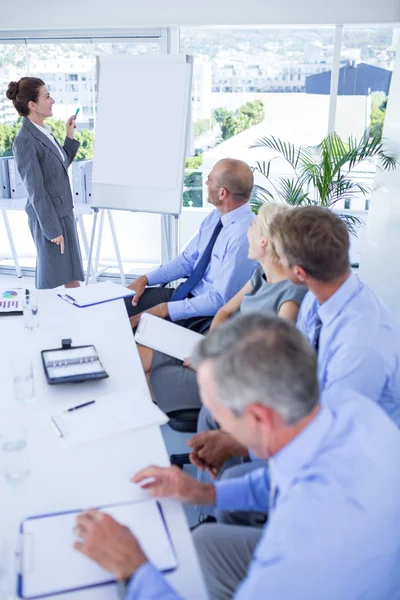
[
  {"x": 223, "y": 193},
  {"x": 260, "y": 414},
  {"x": 264, "y": 242},
  {"x": 300, "y": 273}
]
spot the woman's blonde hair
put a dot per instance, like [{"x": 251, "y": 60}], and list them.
[{"x": 266, "y": 215}]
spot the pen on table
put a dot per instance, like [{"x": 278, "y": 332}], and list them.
[
  {"x": 80, "y": 406},
  {"x": 59, "y": 432},
  {"x": 69, "y": 299}
]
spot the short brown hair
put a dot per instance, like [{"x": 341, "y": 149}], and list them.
[
  {"x": 22, "y": 92},
  {"x": 315, "y": 239}
]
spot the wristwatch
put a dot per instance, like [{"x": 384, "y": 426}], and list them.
[{"x": 122, "y": 587}]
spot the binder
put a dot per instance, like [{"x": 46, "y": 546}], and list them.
[
  {"x": 4, "y": 178},
  {"x": 78, "y": 181},
  {"x": 17, "y": 187},
  {"x": 88, "y": 168},
  {"x": 71, "y": 364},
  {"x": 46, "y": 572}
]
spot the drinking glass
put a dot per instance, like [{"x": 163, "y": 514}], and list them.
[
  {"x": 31, "y": 312},
  {"x": 15, "y": 454},
  {"x": 24, "y": 388}
]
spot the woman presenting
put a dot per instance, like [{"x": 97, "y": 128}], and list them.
[{"x": 43, "y": 166}]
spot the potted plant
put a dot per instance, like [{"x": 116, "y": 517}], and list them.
[{"x": 322, "y": 174}]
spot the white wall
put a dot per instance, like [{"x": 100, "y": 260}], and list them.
[
  {"x": 62, "y": 14},
  {"x": 380, "y": 257}
]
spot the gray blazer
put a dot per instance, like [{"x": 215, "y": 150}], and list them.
[{"x": 45, "y": 176}]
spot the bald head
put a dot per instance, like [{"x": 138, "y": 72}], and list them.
[{"x": 236, "y": 177}]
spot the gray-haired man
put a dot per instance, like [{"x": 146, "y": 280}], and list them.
[{"x": 331, "y": 532}]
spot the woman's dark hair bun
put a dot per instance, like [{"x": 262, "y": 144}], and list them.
[{"x": 12, "y": 90}]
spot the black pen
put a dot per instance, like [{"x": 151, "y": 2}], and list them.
[{"x": 80, "y": 406}]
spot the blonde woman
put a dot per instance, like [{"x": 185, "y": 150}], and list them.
[{"x": 173, "y": 384}]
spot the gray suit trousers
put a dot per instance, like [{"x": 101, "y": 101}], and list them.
[{"x": 225, "y": 552}]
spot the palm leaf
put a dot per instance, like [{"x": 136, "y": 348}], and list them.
[{"x": 292, "y": 191}]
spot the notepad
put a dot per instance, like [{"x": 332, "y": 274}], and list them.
[
  {"x": 166, "y": 337},
  {"x": 97, "y": 293},
  {"x": 50, "y": 564},
  {"x": 107, "y": 416}
]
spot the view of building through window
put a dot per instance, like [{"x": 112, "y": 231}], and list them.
[{"x": 247, "y": 84}]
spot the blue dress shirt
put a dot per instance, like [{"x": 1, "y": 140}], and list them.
[
  {"x": 359, "y": 344},
  {"x": 334, "y": 531},
  {"x": 228, "y": 271}
]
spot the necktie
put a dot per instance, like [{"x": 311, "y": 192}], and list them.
[
  {"x": 317, "y": 333},
  {"x": 183, "y": 290}
]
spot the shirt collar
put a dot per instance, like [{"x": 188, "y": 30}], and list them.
[
  {"x": 236, "y": 214},
  {"x": 287, "y": 464},
  {"x": 46, "y": 129},
  {"x": 330, "y": 309}
]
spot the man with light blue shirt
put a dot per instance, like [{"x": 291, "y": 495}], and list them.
[
  {"x": 355, "y": 336},
  {"x": 215, "y": 262},
  {"x": 334, "y": 504}
]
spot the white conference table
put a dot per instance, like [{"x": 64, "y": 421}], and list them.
[{"x": 92, "y": 474}]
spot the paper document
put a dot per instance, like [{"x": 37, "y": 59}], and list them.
[
  {"x": 166, "y": 337},
  {"x": 95, "y": 294},
  {"x": 50, "y": 565},
  {"x": 12, "y": 301},
  {"x": 107, "y": 416}
]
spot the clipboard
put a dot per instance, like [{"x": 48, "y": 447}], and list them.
[
  {"x": 44, "y": 571},
  {"x": 98, "y": 293},
  {"x": 72, "y": 364}
]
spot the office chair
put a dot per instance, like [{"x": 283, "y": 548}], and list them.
[{"x": 184, "y": 421}]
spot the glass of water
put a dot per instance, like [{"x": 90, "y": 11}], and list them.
[
  {"x": 31, "y": 312},
  {"x": 24, "y": 389},
  {"x": 15, "y": 454}
]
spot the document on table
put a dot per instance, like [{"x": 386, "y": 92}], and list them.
[
  {"x": 12, "y": 301},
  {"x": 51, "y": 565},
  {"x": 106, "y": 416},
  {"x": 166, "y": 337},
  {"x": 98, "y": 293}
]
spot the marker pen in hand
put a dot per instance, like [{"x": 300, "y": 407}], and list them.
[{"x": 75, "y": 115}]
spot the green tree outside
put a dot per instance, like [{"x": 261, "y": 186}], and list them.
[
  {"x": 378, "y": 112},
  {"x": 233, "y": 122},
  {"x": 85, "y": 137}
]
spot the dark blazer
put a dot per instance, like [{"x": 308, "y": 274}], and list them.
[{"x": 45, "y": 176}]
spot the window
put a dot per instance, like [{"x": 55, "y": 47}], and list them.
[{"x": 68, "y": 69}]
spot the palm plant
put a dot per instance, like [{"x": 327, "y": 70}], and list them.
[{"x": 322, "y": 174}]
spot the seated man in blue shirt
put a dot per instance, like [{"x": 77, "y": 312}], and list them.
[
  {"x": 334, "y": 525},
  {"x": 357, "y": 339},
  {"x": 215, "y": 261}
]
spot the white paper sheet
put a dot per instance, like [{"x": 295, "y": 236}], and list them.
[
  {"x": 166, "y": 337},
  {"x": 50, "y": 564},
  {"x": 95, "y": 294},
  {"x": 108, "y": 416}
]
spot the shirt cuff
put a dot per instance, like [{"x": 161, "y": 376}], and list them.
[
  {"x": 231, "y": 494},
  {"x": 154, "y": 277},
  {"x": 175, "y": 310},
  {"x": 149, "y": 583}
]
